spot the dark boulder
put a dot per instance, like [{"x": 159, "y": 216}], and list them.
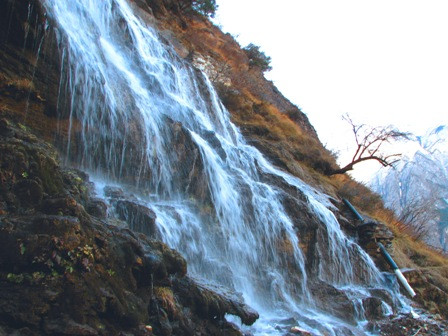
[
  {"x": 370, "y": 233},
  {"x": 139, "y": 217},
  {"x": 28, "y": 192},
  {"x": 333, "y": 300},
  {"x": 213, "y": 303},
  {"x": 373, "y": 308},
  {"x": 97, "y": 208}
]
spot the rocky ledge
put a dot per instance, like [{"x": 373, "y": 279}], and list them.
[
  {"x": 65, "y": 271},
  {"x": 407, "y": 324}
]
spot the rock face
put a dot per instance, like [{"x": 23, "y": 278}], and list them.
[
  {"x": 370, "y": 234},
  {"x": 80, "y": 271},
  {"x": 75, "y": 273},
  {"x": 30, "y": 70},
  {"x": 116, "y": 279},
  {"x": 271, "y": 123},
  {"x": 431, "y": 291}
]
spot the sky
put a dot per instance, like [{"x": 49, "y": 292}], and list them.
[{"x": 383, "y": 62}]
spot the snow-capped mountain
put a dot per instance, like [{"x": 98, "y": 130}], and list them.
[{"x": 417, "y": 188}]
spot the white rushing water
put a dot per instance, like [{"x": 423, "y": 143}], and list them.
[{"x": 130, "y": 100}]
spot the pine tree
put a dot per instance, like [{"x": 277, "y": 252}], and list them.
[{"x": 257, "y": 58}]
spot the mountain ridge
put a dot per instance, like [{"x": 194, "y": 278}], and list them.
[{"x": 420, "y": 181}]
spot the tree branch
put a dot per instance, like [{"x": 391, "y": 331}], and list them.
[{"x": 369, "y": 141}]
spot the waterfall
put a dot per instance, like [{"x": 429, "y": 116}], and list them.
[{"x": 146, "y": 120}]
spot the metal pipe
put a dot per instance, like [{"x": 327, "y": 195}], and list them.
[
  {"x": 397, "y": 271},
  {"x": 386, "y": 255},
  {"x": 352, "y": 208}
]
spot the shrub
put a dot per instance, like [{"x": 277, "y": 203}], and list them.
[
  {"x": 257, "y": 58},
  {"x": 204, "y": 7},
  {"x": 361, "y": 197}
]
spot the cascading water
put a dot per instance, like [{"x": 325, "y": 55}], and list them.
[{"x": 134, "y": 108}]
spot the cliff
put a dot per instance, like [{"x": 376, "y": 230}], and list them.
[
  {"x": 84, "y": 271},
  {"x": 270, "y": 122},
  {"x": 69, "y": 270}
]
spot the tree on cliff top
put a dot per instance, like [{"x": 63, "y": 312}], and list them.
[
  {"x": 204, "y": 7},
  {"x": 257, "y": 58},
  {"x": 369, "y": 143}
]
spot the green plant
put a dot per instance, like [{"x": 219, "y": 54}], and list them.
[
  {"x": 204, "y": 7},
  {"x": 22, "y": 249},
  {"x": 23, "y": 127},
  {"x": 257, "y": 58},
  {"x": 15, "y": 278},
  {"x": 37, "y": 276},
  {"x": 30, "y": 278}
]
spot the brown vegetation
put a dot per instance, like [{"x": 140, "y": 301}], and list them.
[
  {"x": 428, "y": 267},
  {"x": 269, "y": 122},
  {"x": 275, "y": 134},
  {"x": 282, "y": 132}
]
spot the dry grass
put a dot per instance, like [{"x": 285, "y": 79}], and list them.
[
  {"x": 420, "y": 254},
  {"x": 279, "y": 124},
  {"x": 21, "y": 84},
  {"x": 280, "y": 136},
  {"x": 431, "y": 279},
  {"x": 166, "y": 298},
  {"x": 408, "y": 251},
  {"x": 265, "y": 121},
  {"x": 360, "y": 196}
]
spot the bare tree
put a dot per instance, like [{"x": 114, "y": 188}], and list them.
[
  {"x": 416, "y": 215},
  {"x": 369, "y": 141}
]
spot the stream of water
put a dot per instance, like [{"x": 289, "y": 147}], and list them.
[{"x": 131, "y": 98}]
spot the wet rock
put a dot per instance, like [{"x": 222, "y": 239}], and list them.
[
  {"x": 27, "y": 171},
  {"x": 3, "y": 208},
  {"x": 333, "y": 300},
  {"x": 300, "y": 331},
  {"x": 63, "y": 272},
  {"x": 66, "y": 326},
  {"x": 97, "y": 207},
  {"x": 51, "y": 111},
  {"x": 57, "y": 225},
  {"x": 214, "y": 142},
  {"x": 139, "y": 217},
  {"x": 187, "y": 166},
  {"x": 172, "y": 261},
  {"x": 29, "y": 192},
  {"x": 406, "y": 324},
  {"x": 113, "y": 192},
  {"x": 25, "y": 312},
  {"x": 211, "y": 304},
  {"x": 384, "y": 296},
  {"x": 373, "y": 309},
  {"x": 5, "y": 129},
  {"x": 62, "y": 206},
  {"x": 370, "y": 234}
]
